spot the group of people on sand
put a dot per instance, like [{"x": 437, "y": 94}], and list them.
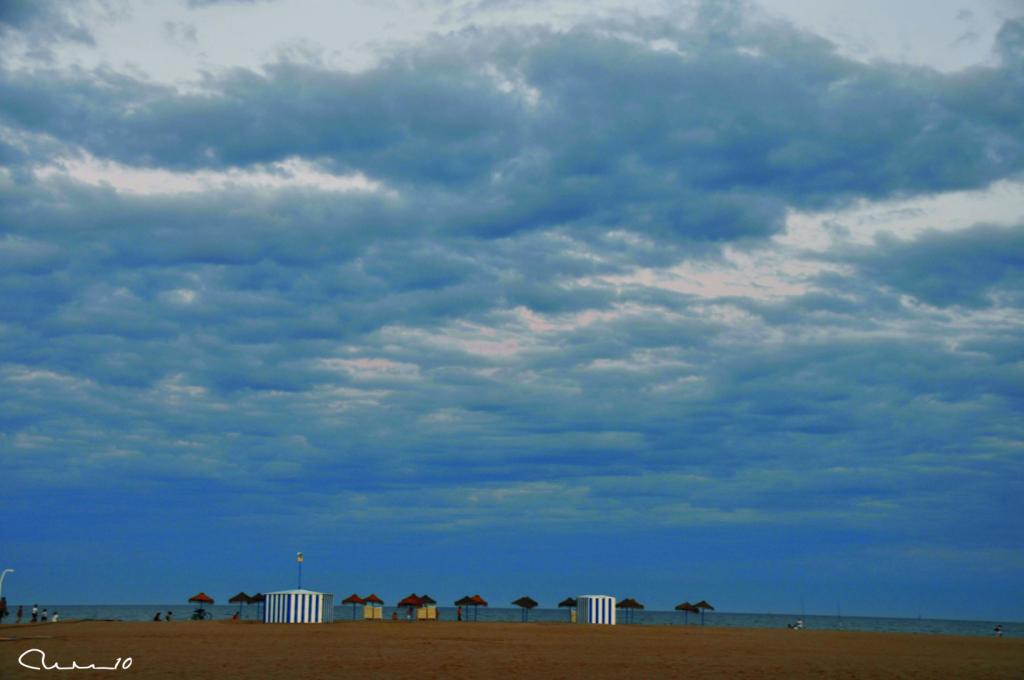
[
  {"x": 37, "y": 617},
  {"x": 168, "y": 615},
  {"x": 799, "y": 624}
]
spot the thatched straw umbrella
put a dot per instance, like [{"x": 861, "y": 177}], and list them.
[
  {"x": 568, "y": 602},
  {"x": 702, "y": 605},
  {"x": 466, "y": 601},
  {"x": 258, "y": 598},
  {"x": 353, "y": 600},
  {"x": 630, "y": 605},
  {"x": 474, "y": 601},
  {"x": 431, "y": 606},
  {"x": 526, "y": 603},
  {"x": 477, "y": 603},
  {"x": 373, "y": 601},
  {"x": 686, "y": 608},
  {"x": 201, "y": 598},
  {"x": 240, "y": 599},
  {"x": 412, "y": 601}
]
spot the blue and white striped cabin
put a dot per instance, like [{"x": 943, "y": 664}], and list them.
[
  {"x": 298, "y": 606},
  {"x": 595, "y": 609}
]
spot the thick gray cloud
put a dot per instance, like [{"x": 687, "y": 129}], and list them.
[
  {"x": 505, "y": 132},
  {"x": 971, "y": 267},
  {"x": 43, "y": 20}
]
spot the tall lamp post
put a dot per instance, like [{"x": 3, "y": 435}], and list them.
[
  {"x": 2, "y": 576},
  {"x": 298, "y": 558}
]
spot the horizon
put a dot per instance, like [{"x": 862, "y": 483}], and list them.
[
  {"x": 512, "y": 607},
  {"x": 713, "y": 298}
]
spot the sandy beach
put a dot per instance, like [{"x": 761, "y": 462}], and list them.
[{"x": 497, "y": 650}]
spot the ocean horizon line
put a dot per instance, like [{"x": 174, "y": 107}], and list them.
[
  {"x": 143, "y": 612},
  {"x": 510, "y": 607}
]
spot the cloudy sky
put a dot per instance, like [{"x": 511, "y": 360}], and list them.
[{"x": 681, "y": 301}]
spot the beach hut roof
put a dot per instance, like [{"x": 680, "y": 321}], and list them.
[
  {"x": 526, "y": 601},
  {"x": 629, "y": 603},
  {"x": 427, "y": 599},
  {"x": 241, "y": 598},
  {"x": 373, "y": 599},
  {"x": 568, "y": 602},
  {"x": 687, "y": 607},
  {"x": 413, "y": 600},
  {"x": 464, "y": 601},
  {"x": 297, "y": 591},
  {"x": 353, "y": 599},
  {"x": 704, "y": 605},
  {"x": 202, "y": 598},
  {"x": 477, "y": 600}
]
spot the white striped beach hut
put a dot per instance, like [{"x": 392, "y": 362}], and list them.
[
  {"x": 595, "y": 609},
  {"x": 298, "y": 606}
]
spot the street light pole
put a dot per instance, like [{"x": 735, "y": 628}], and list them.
[{"x": 4, "y": 574}]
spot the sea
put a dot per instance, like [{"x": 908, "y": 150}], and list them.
[{"x": 871, "y": 624}]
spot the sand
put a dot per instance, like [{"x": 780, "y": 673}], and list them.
[{"x": 386, "y": 649}]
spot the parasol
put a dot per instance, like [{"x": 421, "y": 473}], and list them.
[
  {"x": 630, "y": 605},
  {"x": 241, "y": 599},
  {"x": 686, "y": 608},
  {"x": 702, "y": 605},
  {"x": 353, "y": 600},
  {"x": 526, "y": 603},
  {"x": 568, "y": 602}
]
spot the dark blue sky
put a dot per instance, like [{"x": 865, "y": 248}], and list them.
[{"x": 684, "y": 304}]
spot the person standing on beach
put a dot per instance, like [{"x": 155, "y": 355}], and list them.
[
  {"x": 458, "y": 613},
  {"x": 56, "y": 617},
  {"x": 35, "y": 613},
  {"x": 168, "y": 617},
  {"x": 3, "y": 609},
  {"x": 44, "y": 616},
  {"x": 21, "y": 613}
]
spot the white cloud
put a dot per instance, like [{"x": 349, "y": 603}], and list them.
[
  {"x": 471, "y": 338},
  {"x": 924, "y": 32},
  {"x": 765, "y": 274},
  {"x": 1001, "y": 203},
  {"x": 372, "y": 368},
  {"x": 290, "y": 173}
]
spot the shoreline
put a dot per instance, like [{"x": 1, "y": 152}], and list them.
[
  {"x": 7, "y": 627},
  {"x": 401, "y": 649},
  {"x": 646, "y": 618}
]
